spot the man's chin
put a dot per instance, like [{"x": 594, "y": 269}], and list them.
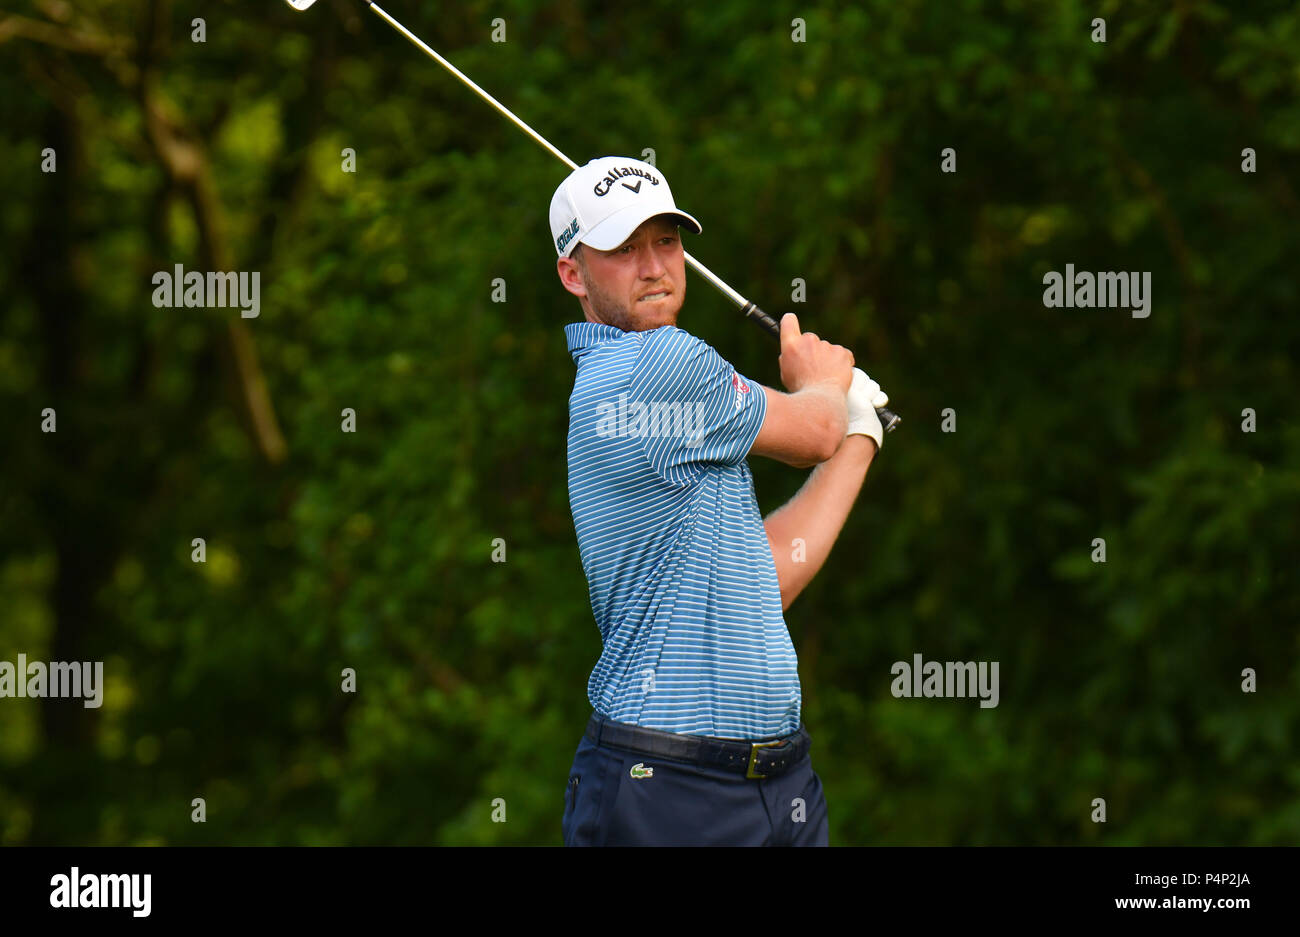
[
  {"x": 643, "y": 320},
  {"x": 656, "y": 318},
  {"x": 658, "y": 322}
]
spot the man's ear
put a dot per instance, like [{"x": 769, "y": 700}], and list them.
[{"x": 570, "y": 275}]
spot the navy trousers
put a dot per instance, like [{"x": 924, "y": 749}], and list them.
[{"x": 623, "y": 798}]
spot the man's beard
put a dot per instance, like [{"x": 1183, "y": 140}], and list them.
[{"x": 608, "y": 309}]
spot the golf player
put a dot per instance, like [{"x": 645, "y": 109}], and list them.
[{"x": 696, "y": 736}]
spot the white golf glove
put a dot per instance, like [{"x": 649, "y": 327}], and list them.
[{"x": 864, "y": 396}]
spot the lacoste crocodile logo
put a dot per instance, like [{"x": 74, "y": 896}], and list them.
[{"x": 641, "y": 771}]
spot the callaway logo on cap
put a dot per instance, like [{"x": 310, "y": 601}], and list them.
[{"x": 603, "y": 202}]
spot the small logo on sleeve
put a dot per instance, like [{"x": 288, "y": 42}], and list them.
[
  {"x": 641, "y": 771},
  {"x": 741, "y": 388}
]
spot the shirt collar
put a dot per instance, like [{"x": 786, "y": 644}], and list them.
[{"x": 582, "y": 336}]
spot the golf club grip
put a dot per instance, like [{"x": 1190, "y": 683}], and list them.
[{"x": 888, "y": 418}]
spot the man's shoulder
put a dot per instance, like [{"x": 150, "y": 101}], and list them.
[{"x": 674, "y": 341}]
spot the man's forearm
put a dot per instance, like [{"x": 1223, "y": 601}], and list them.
[{"x": 816, "y": 515}]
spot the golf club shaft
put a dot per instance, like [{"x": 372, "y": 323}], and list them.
[{"x": 888, "y": 419}]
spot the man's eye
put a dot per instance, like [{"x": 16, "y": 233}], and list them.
[{"x": 624, "y": 250}]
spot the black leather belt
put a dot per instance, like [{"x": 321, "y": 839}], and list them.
[{"x": 766, "y": 758}]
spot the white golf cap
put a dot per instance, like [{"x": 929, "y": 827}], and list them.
[{"x": 603, "y": 202}]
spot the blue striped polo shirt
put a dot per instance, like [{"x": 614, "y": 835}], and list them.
[{"x": 682, "y": 583}]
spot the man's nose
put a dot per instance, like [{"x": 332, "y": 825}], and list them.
[{"x": 652, "y": 265}]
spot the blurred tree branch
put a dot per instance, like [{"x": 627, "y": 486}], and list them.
[{"x": 181, "y": 154}]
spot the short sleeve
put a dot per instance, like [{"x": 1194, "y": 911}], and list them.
[{"x": 690, "y": 407}]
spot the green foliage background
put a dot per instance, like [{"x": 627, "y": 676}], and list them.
[{"x": 817, "y": 160}]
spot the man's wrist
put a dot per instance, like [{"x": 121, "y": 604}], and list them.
[{"x": 859, "y": 443}]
